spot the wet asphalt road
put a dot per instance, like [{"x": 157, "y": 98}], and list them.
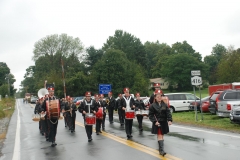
[{"x": 188, "y": 143}]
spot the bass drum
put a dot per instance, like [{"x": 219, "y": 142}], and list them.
[{"x": 53, "y": 109}]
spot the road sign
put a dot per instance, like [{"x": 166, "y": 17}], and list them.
[
  {"x": 196, "y": 80},
  {"x": 105, "y": 88},
  {"x": 196, "y": 73}
]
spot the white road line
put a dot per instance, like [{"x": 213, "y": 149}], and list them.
[
  {"x": 212, "y": 132},
  {"x": 16, "y": 153},
  {"x": 201, "y": 130}
]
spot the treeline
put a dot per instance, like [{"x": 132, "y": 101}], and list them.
[
  {"x": 6, "y": 81},
  {"x": 124, "y": 61}
]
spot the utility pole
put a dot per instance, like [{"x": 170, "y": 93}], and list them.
[
  {"x": 64, "y": 87},
  {"x": 7, "y": 76}
]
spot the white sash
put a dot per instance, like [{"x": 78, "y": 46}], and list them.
[
  {"x": 88, "y": 104},
  {"x": 127, "y": 103}
]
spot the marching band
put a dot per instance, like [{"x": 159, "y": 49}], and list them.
[{"x": 94, "y": 113}]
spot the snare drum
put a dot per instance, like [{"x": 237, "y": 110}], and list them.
[
  {"x": 130, "y": 114},
  {"x": 145, "y": 112},
  {"x": 90, "y": 119},
  {"x": 138, "y": 113}
]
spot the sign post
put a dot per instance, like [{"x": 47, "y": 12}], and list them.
[
  {"x": 105, "y": 88},
  {"x": 196, "y": 80}
]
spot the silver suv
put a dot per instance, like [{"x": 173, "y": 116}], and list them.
[{"x": 228, "y": 100}]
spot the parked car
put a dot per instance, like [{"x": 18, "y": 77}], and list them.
[
  {"x": 204, "y": 104},
  {"x": 180, "y": 101},
  {"x": 235, "y": 115},
  {"x": 228, "y": 100},
  {"x": 33, "y": 99},
  {"x": 146, "y": 102},
  {"x": 213, "y": 102},
  {"x": 78, "y": 98}
]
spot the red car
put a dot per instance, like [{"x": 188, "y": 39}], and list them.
[{"x": 205, "y": 104}]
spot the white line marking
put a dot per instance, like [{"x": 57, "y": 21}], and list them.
[
  {"x": 222, "y": 134},
  {"x": 200, "y": 130},
  {"x": 16, "y": 153}
]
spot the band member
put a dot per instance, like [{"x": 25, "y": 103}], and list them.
[
  {"x": 111, "y": 103},
  {"x": 67, "y": 111},
  {"x": 120, "y": 112},
  {"x": 161, "y": 118},
  {"x": 104, "y": 105},
  {"x": 37, "y": 110},
  {"x": 157, "y": 87},
  {"x": 99, "y": 114},
  {"x": 73, "y": 114},
  {"x": 86, "y": 107},
  {"x": 139, "y": 105},
  {"x": 52, "y": 122},
  {"x": 63, "y": 103},
  {"x": 126, "y": 104}
]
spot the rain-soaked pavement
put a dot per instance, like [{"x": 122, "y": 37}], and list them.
[{"x": 188, "y": 143}]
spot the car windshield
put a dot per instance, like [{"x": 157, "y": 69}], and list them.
[
  {"x": 214, "y": 96},
  {"x": 205, "y": 98}
]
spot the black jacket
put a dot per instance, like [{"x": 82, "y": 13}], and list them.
[
  {"x": 112, "y": 103},
  {"x": 139, "y": 105},
  {"x": 74, "y": 109},
  {"x": 84, "y": 106},
  {"x": 159, "y": 112},
  {"x": 151, "y": 100},
  {"x": 124, "y": 104},
  {"x": 37, "y": 108}
]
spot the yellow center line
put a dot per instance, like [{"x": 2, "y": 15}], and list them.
[{"x": 135, "y": 145}]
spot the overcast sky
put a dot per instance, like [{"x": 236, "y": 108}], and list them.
[{"x": 202, "y": 23}]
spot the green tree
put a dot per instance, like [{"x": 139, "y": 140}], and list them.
[
  {"x": 228, "y": 68},
  {"x": 211, "y": 61},
  {"x": 114, "y": 68},
  {"x": 184, "y": 47},
  {"x": 177, "y": 68},
  {"x": 218, "y": 50},
  {"x": 129, "y": 44},
  {"x": 93, "y": 55},
  {"x": 4, "y": 71},
  {"x": 155, "y": 51},
  {"x": 53, "y": 44}
]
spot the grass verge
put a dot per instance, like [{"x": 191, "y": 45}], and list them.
[
  {"x": 7, "y": 106},
  {"x": 209, "y": 121}
]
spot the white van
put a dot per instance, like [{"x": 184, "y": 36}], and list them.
[{"x": 180, "y": 101}]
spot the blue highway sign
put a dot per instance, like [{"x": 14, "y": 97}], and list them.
[{"x": 105, "y": 88}]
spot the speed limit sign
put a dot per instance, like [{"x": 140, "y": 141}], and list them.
[{"x": 196, "y": 80}]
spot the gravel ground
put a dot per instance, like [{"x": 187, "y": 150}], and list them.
[{"x": 3, "y": 130}]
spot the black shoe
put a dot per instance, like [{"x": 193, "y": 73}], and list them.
[
  {"x": 71, "y": 131},
  {"x": 97, "y": 133},
  {"x": 131, "y": 135},
  {"x": 47, "y": 139},
  {"x": 100, "y": 131},
  {"x": 89, "y": 140},
  {"x": 103, "y": 129},
  {"x": 128, "y": 136},
  {"x": 53, "y": 144}
]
